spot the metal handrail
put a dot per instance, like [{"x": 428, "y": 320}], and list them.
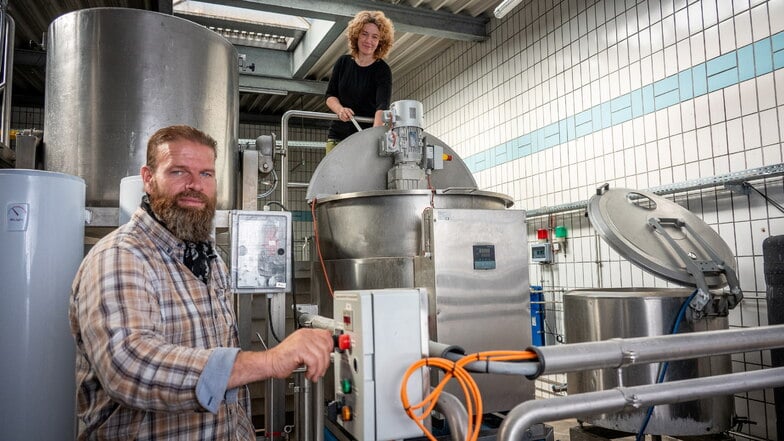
[{"x": 284, "y": 139}]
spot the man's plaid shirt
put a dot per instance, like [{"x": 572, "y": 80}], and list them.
[{"x": 153, "y": 342}]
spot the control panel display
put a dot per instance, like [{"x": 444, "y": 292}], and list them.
[
  {"x": 541, "y": 253},
  {"x": 484, "y": 257}
]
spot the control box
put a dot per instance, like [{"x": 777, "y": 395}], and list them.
[
  {"x": 542, "y": 252},
  {"x": 387, "y": 330},
  {"x": 260, "y": 251}
]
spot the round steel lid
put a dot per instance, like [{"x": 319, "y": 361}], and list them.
[{"x": 621, "y": 217}]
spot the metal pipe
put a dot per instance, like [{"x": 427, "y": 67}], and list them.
[
  {"x": 284, "y": 140},
  {"x": 275, "y": 389},
  {"x": 616, "y": 353},
  {"x": 455, "y": 414},
  {"x": 8, "y": 69},
  {"x": 768, "y": 171},
  {"x": 307, "y": 409},
  {"x": 525, "y": 415},
  {"x": 318, "y": 412}
]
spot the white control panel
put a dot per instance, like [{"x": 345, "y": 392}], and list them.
[{"x": 387, "y": 330}]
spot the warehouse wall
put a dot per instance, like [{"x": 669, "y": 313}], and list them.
[{"x": 566, "y": 96}]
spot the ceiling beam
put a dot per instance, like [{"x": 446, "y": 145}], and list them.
[
  {"x": 406, "y": 19},
  {"x": 316, "y": 41},
  {"x": 263, "y": 84}
]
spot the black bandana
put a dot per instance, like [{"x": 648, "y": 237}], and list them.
[{"x": 197, "y": 254}]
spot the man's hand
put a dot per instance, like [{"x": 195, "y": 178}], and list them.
[
  {"x": 305, "y": 347},
  {"x": 308, "y": 347}
]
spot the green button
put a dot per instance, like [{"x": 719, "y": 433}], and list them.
[{"x": 345, "y": 386}]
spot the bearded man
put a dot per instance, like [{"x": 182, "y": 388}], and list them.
[{"x": 151, "y": 314}]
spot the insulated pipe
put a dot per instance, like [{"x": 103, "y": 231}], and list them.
[
  {"x": 525, "y": 415},
  {"x": 284, "y": 141},
  {"x": 317, "y": 321},
  {"x": 455, "y": 353},
  {"x": 616, "y": 353},
  {"x": 523, "y": 368},
  {"x": 455, "y": 414}
]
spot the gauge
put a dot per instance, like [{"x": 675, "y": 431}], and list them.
[{"x": 16, "y": 216}]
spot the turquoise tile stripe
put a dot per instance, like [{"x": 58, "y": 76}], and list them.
[{"x": 759, "y": 58}]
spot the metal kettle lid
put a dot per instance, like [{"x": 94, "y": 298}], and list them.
[{"x": 623, "y": 218}]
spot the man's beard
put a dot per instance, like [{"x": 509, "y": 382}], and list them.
[{"x": 188, "y": 224}]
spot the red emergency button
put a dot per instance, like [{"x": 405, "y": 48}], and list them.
[{"x": 344, "y": 342}]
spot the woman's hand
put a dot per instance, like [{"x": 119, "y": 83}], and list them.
[{"x": 345, "y": 114}]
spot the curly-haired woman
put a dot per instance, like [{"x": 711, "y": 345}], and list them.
[{"x": 361, "y": 83}]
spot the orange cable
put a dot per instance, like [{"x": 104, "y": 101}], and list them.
[
  {"x": 318, "y": 246},
  {"x": 467, "y": 384}
]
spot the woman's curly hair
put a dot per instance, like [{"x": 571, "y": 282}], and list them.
[{"x": 385, "y": 27}]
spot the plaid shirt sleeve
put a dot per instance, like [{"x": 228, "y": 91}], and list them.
[{"x": 122, "y": 330}]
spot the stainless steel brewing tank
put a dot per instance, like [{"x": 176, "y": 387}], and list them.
[
  {"x": 115, "y": 75},
  {"x": 374, "y": 240},
  {"x": 387, "y": 223},
  {"x": 602, "y": 314}
]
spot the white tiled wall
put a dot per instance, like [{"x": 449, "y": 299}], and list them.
[{"x": 547, "y": 61}]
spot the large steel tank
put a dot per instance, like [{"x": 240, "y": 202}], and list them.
[
  {"x": 603, "y": 314},
  {"x": 116, "y": 75},
  {"x": 455, "y": 240},
  {"x": 41, "y": 236},
  {"x": 669, "y": 241}
]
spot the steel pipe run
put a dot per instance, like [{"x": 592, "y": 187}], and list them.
[
  {"x": 525, "y": 415},
  {"x": 617, "y": 353},
  {"x": 456, "y": 416},
  {"x": 284, "y": 143}
]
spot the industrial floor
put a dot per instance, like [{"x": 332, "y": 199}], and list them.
[{"x": 561, "y": 432}]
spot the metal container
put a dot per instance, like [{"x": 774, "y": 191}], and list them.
[
  {"x": 387, "y": 223},
  {"x": 602, "y": 314},
  {"x": 41, "y": 235},
  {"x": 395, "y": 239},
  {"x": 669, "y": 241},
  {"x": 460, "y": 243},
  {"x": 115, "y": 75}
]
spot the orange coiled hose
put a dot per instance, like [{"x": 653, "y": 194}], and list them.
[{"x": 455, "y": 369}]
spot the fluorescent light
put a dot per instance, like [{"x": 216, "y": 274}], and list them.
[
  {"x": 505, "y": 7},
  {"x": 262, "y": 90}
]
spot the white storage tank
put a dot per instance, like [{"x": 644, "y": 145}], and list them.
[{"x": 42, "y": 243}]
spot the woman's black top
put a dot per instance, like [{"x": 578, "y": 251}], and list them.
[{"x": 363, "y": 89}]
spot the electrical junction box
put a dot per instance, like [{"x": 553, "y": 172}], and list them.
[
  {"x": 388, "y": 332},
  {"x": 542, "y": 252},
  {"x": 260, "y": 251}
]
